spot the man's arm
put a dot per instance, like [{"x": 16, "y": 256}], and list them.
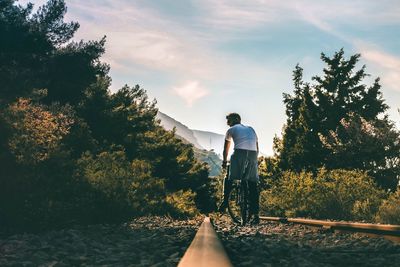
[
  {"x": 225, "y": 153},
  {"x": 257, "y": 147}
]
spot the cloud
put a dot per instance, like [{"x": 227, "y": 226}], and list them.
[
  {"x": 237, "y": 15},
  {"x": 142, "y": 36},
  {"x": 191, "y": 91},
  {"x": 234, "y": 15},
  {"x": 388, "y": 65}
]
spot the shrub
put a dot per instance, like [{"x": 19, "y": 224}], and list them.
[
  {"x": 182, "y": 204},
  {"x": 337, "y": 194},
  {"x": 125, "y": 188},
  {"x": 36, "y": 167},
  {"x": 389, "y": 211},
  {"x": 37, "y": 129},
  {"x": 147, "y": 193}
]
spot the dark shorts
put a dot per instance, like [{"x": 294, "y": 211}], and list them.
[{"x": 244, "y": 165}]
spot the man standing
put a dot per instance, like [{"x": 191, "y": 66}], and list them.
[{"x": 244, "y": 164}]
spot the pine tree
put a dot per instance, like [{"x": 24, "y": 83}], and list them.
[
  {"x": 36, "y": 51},
  {"x": 300, "y": 143},
  {"x": 338, "y": 122}
]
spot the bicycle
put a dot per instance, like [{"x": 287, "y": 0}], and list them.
[{"x": 238, "y": 199}]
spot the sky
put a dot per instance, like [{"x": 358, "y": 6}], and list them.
[{"x": 202, "y": 59}]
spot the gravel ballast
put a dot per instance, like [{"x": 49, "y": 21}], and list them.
[
  {"x": 146, "y": 241},
  {"x": 277, "y": 244},
  {"x": 161, "y": 241}
]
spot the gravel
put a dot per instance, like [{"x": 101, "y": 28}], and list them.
[
  {"x": 277, "y": 244},
  {"x": 162, "y": 241},
  {"x": 146, "y": 241}
]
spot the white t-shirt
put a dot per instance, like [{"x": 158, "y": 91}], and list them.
[{"x": 243, "y": 136}]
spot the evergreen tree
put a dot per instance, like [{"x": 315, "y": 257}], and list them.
[
  {"x": 70, "y": 150},
  {"x": 36, "y": 51},
  {"x": 300, "y": 143},
  {"x": 316, "y": 112}
]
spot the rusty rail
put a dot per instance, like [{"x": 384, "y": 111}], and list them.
[
  {"x": 388, "y": 231},
  {"x": 205, "y": 249}
]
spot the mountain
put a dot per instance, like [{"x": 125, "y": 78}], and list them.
[
  {"x": 205, "y": 143},
  {"x": 213, "y": 160},
  {"x": 182, "y": 130},
  {"x": 210, "y": 140}
]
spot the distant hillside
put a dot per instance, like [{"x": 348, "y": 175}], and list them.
[
  {"x": 212, "y": 159},
  {"x": 199, "y": 139},
  {"x": 210, "y": 140},
  {"x": 182, "y": 130}
]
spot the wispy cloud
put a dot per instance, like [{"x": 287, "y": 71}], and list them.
[
  {"x": 388, "y": 65},
  {"x": 339, "y": 17},
  {"x": 239, "y": 15},
  {"x": 190, "y": 91},
  {"x": 138, "y": 35}
]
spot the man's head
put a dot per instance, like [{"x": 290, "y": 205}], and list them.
[{"x": 233, "y": 119}]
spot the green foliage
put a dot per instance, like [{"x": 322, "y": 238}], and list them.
[
  {"x": 182, "y": 204},
  {"x": 130, "y": 188},
  {"x": 70, "y": 150},
  {"x": 108, "y": 173},
  {"x": 336, "y": 122},
  {"x": 213, "y": 161},
  {"x": 147, "y": 193},
  {"x": 127, "y": 189},
  {"x": 389, "y": 211},
  {"x": 37, "y": 187},
  {"x": 37, "y": 52},
  {"x": 336, "y": 194},
  {"x": 37, "y": 129},
  {"x": 366, "y": 145},
  {"x": 174, "y": 161},
  {"x": 268, "y": 171},
  {"x": 132, "y": 116}
]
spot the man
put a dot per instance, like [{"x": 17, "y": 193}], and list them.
[{"x": 244, "y": 164}]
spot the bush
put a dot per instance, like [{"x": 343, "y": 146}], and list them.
[
  {"x": 37, "y": 129},
  {"x": 36, "y": 167},
  {"x": 182, "y": 204},
  {"x": 147, "y": 194},
  {"x": 389, "y": 211},
  {"x": 337, "y": 194},
  {"x": 123, "y": 189}
]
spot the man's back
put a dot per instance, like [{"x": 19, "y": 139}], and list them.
[{"x": 244, "y": 137}]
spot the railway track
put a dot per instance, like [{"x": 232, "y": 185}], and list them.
[
  {"x": 207, "y": 250},
  {"x": 391, "y": 232}
]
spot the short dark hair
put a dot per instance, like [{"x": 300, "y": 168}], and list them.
[{"x": 234, "y": 117}]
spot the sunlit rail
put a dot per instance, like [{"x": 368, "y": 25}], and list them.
[
  {"x": 205, "y": 249},
  {"x": 388, "y": 231}
]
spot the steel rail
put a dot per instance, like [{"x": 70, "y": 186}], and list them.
[
  {"x": 388, "y": 231},
  {"x": 205, "y": 249}
]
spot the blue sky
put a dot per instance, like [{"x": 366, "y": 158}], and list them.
[{"x": 202, "y": 59}]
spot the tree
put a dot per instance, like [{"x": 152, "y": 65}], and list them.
[
  {"x": 318, "y": 112},
  {"x": 36, "y": 51},
  {"x": 300, "y": 147},
  {"x": 368, "y": 145},
  {"x": 70, "y": 150}
]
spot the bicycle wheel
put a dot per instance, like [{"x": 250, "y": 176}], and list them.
[
  {"x": 244, "y": 203},
  {"x": 234, "y": 202}
]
